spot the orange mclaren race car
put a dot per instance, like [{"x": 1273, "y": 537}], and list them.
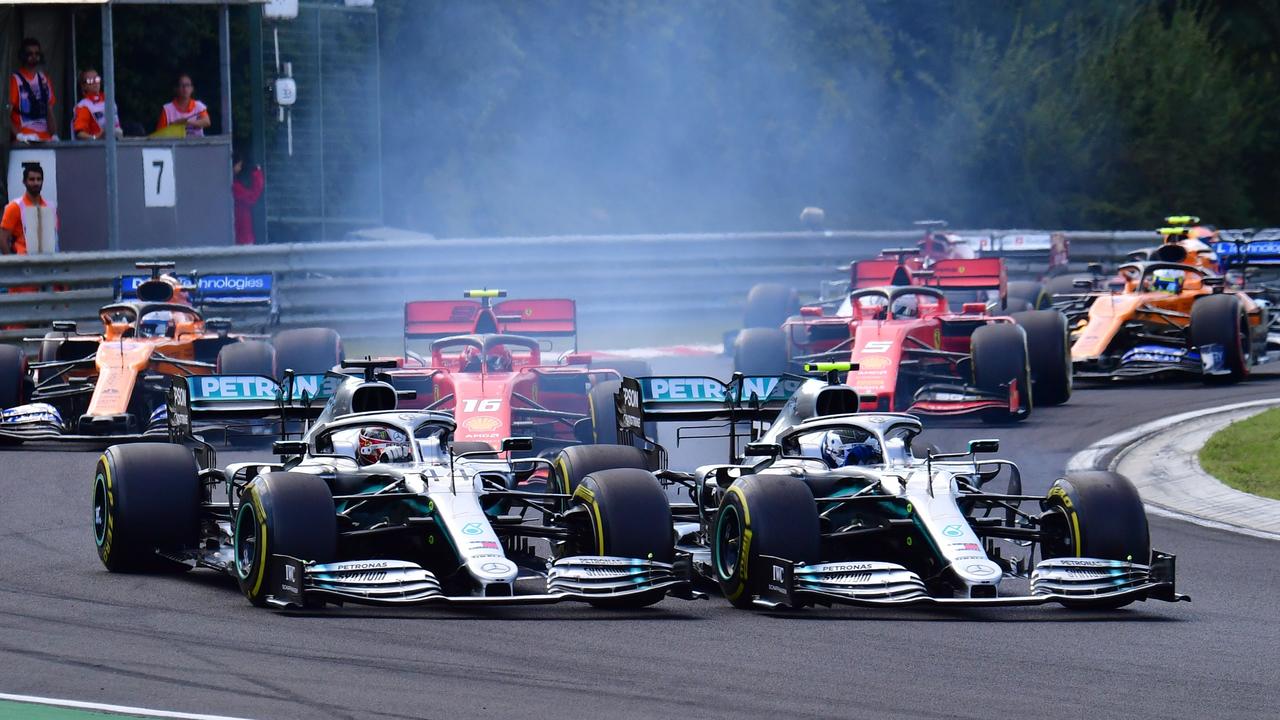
[
  {"x": 1166, "y": 317},
  {"x": 913, "y": 352},
  {"x": 111, "y": 383},
  {"x": 488, "y": 366}
]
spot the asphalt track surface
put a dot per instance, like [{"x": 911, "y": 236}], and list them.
[{"x": 69, "y": 629}]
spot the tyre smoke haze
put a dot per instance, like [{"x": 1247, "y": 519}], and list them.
[{"x": 570, "y": 116}]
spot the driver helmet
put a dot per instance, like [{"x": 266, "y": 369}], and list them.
[
  {"x": 472, "y": 360},
  {"x": 906, "y": 306},
  {"x": 375, "y": 442},
  {"x": 1167, "y": 280},
  {"x": 499, "y": 359},
  {"x": 155, "y": 324},
  {"x": 838, "y": 453}
]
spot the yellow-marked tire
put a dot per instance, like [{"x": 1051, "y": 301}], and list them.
[
  {"x": 578, "y": 461},
  {"x": 1095, "y": 514},
  {"x": 762, "y": 515},
  {"x": 630, "y": 517},
  {"x": 146, "y": 497},
  {"x": 281, "y": 513}
]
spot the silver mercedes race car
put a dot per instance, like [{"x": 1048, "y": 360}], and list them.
[
  {"x": 379, "y": 506},
  {"x": 829, "y": 505}
]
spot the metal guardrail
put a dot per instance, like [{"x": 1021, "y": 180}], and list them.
[{"x": 359, "y": 286}]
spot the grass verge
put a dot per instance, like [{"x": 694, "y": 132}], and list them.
[{"x": 1246, "y": 454}]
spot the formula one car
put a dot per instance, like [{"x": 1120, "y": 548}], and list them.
[
  {"x": 376, "y": 505},
  {"x": 498, "y": 383},
  {"x": 832, "y": 506},
  {"x": 89, "y": 386},
  {"x": 915, "y": 353},
  {"x": 1167, "y": 317}
]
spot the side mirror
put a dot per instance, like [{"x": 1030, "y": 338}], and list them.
[
  {"x": 983, "y": 446},
  {"x": 759, "y": 449},
  {"x": 65, "y": 326},
  {"x": 289, "y": 447},
  {"x": 1217, "y": 283},
  {"x": 1082, "y": 284},
  {"x": 1095, "y": 268},
  {"x": 518, "y": 444}
]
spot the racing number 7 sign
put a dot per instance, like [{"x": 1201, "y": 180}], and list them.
[{"x": 159, "y": 187}]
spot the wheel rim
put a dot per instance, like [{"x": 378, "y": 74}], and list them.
[
  {"x": 246, "y": 541},
  {"x": 728, "y": 541},
  {"x": 100, "y": 509}
]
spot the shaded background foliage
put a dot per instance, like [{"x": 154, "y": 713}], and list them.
[
  {"x": 666, "y": 115},
  {"x": 548, "y": 116}
]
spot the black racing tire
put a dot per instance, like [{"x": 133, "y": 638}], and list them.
[
  {"x": 1096, "y": 514},
  {"x": 13, "y": 376},
  {"x": 575, "y": 462},
  {"x": 1049, "y": 354},
  {"x": 308, "y": 351},
  {"x": 626, "y": 367},
  {"x": 1219, "y": 319},
  {"x": 760, "y": 351},
  {"x": 631, "y": 518},
  {"x": 49, "y": 346},
  {"x": 779, "y": 513},
  {"x": 281, "y": 513},
  {"x": 247, "y": 357},
  {"x": 769, "y": 305},
  {"x": 1030, "y": 291},
  {"x": 146, "y": 497},
  {"x": 999, "y": 353},
  {"x": 1065, "y": 284},
  {"x": 602, "y": 405}
]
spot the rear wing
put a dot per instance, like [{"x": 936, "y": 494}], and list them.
[
  {"x": 878, "y": 272},
  {"x": 223, "y": 289},
  {"x": 251, "y": 397},
  {"x": 700, "y": 398},
  {"x": 971, "y": 274},
  {"x": 1235, "y": 248},
  {"x": 968, "y": 274},
  {"x": 432, "y": 319}
]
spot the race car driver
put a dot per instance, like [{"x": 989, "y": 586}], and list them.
[
  {"x": 840, "y": 452},
  {"x": 378, "y": 444},
  {"x": 1165, "y": 280}
]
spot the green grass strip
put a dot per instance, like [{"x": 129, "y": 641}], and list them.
[
  {"x": 29, "y": 711},
  {"x": 1246, "y": 454}
]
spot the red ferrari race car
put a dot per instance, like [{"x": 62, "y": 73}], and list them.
[
  {"x": 771, "y": 304},
  {"x": 486, "y": 364},
  {"x": 913, "y": 352}
]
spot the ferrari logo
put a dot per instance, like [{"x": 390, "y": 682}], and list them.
[
  {"x": 960, "y": 269},
  {"x": 937, "y": 337},
  {"x": 528, "y": 312}
]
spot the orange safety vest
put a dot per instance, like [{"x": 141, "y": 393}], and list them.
[
  {"x": 171, "y": 115},
  {"x": 90, "y": 112}
]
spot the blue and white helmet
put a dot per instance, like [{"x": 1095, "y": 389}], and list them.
[{"x": 839, "y": 453}]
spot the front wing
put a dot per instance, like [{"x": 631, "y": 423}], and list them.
[
  {"x": 1076, "y": 581},
  {"x": 399, "y": 583}
]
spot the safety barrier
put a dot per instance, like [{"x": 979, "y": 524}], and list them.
[{"x": 645, "y": 283}]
